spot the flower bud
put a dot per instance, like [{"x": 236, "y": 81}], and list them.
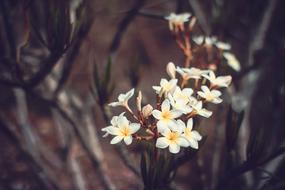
[
  {"x": 146, "y": 110},
  {"x": 192, "y": 23},
  {"x": 139, "y": 101},
  {"x": 171, "y": 70}
]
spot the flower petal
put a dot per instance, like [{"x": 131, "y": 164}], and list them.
[
  {"x": 182, "y": 142},
  {"x": 114, "y": 120},
  {"x": 123, "y": 122},
  {"x": 216, "y": 93},
  {"x": 232, "y": 61},
  {"x": 116, "y": 139},
  {"x": 162, "y": 142},
  {"x": 163, "y": 82},
  {"x": 196, "y": 135},
  {"x": 212, "y": 75},
  {"x": 217, "y": 100},
  {"x": 193, "y": 143},
  {"x": 205, "y": 113},
  {"x": 166, "y": 131},
  {"x": 190, "y": 124},
  {"x": 175, "y": 113},
  {"x": 223, "y": 45},
  {"x": 161, "y": 127},
  {"x": 128, "y": 140},
  {"x": 205, "y": 89},
  {"x": 201, "y": 94},
  {"x": 156, "y": 114},
  {"x": 198, "y": 40},
  {"x": 129, "y": 94},
  {"x": 181, "y": 125},
  {"x": 115, "y": 104},
  {"x": 156, "y": 88},
  {"x": 122, "y": 97},
  {"x": 134, "y": 127},
  {"x": 112, "y": 130},
  {"x": 165, "y": 106},
  {"x": 187, "y": 91},
  {"x": 174, "y": 148}
]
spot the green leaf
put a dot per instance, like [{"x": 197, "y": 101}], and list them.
[{"x": 108, "y": 72}]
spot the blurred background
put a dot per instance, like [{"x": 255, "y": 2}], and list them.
[{"x": 61, "y": 62}]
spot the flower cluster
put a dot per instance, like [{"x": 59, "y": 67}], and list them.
[
  {"x": 176, "y": 21},
  {"x": 179, "y": 99},
  {"x": 223, "y": 46},
  {"x": 176, "y": 25}
]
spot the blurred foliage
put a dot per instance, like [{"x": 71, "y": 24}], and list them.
[{"x": 35, "y": 36}]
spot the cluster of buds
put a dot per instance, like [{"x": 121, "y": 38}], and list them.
[{"x": 170, "y": 123}]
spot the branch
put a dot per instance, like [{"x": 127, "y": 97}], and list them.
[
  {"x": 35, "y": 165},
  {"x": 82, "y": 139},
  {"x": 124, "y": 25}
]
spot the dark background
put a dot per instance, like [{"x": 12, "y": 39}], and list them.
[{"x": 50, "y": 119}]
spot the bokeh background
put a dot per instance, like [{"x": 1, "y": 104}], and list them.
[{"x": 54, "y": 56}]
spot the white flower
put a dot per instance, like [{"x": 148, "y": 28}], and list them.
[
  {"x": 210, "y": 95},
  {"x": 221, "y": 81},
  {"x": 182, "y": 95},
  {"x": 232, "y": 61},
  {"x": 210, "y": 41},
  {"x": 198, "y": 108},
  {"x": 123, "y": 99},
  {"x": 179, "y": 105},
  {"x": 177, "y": 20},
  {"x": 192, "y": 72},
  {"x": 171, "y": 70},
  {"x": 191, "y": 136},
  {"x": 166, "y": 116},
  {"x": 172, "y": 139},
  {"x": 114, "y": 123},
  {"x": 165, "y": 86},
  {"x": 122, "y": 129}
]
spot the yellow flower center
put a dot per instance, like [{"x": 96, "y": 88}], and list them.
[
  {"x": 187, "y": 133},
  {"x": 167, "y": 87},
  {"x": 166, "y": 115},
  {"x": 209, "y": 97},
  {"x": 125, "y": 132},
  {"x": 172, "y": 137}
]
